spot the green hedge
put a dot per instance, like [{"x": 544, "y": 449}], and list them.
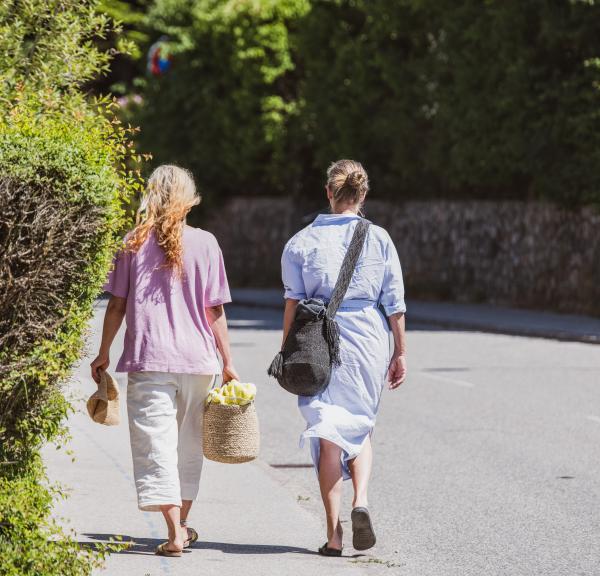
[
  {"x": 30, "y": 542},
  {"x": 60, "y": 209},
  {"x": 64, "y": 181},
  {"x": 438, "y": 98}
]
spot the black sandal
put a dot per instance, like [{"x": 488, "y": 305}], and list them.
[
  {"x": 327, "y": 551},
  {"x": 363, "y": 535}
]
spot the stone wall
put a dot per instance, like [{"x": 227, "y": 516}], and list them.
[
  {"x": 530, "y": 255},
  {"x": 252, "y": 233}
]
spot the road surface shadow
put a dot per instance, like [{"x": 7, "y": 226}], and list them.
[
  {"x": 145, "y": 546},
  {"x": 269, "y": 319},
  {"x": 248, "y": 318},
  {"x": 229, "y": 548}
]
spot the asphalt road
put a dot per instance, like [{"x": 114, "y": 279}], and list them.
[
  {"x": 487, "y": 460},
  {"x": 487, "y": 463}
]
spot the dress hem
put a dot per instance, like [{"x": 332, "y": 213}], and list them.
[{"x": 338, "y": 441}]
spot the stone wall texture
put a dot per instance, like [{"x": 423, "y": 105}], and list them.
[{"x": 530, "y": 255}]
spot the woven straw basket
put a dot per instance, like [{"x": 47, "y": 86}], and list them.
[{"x": 231, "y": 433}]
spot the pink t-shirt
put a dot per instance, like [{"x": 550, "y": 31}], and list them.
[{"x": 167, "y": 328}]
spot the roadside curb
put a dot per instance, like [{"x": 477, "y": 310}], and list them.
[
  {"x": 523, "y": 332},
  {"x": 271, "y": 299}
]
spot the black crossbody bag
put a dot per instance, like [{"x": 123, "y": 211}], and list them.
[{"x": 311, "y": 349}]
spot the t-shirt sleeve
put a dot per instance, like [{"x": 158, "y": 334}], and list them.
[
  {"x": 392, "y": 291},
  {"x": 291, "y": 273},
  {"x": 216, "y": 291},
  {"x": 117, "y": 282}
]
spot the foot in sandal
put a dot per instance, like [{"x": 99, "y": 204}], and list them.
[
  {"x": 327, "y": 551},
  {"x": 363, "y": 535},
  {"x": 164, "y": 550},
  {"x": 189, "y": 535},
  {"x": 333, "y": 547}
]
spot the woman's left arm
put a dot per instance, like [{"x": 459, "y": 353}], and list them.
[
  {"x": 115, "y": 311},
  {"x": 397, "y": 368},
  {"x": 392, "y": 299},
  {"x": 218, "y": 324}
]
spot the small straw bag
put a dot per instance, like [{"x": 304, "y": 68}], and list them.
[
  {"x": 231, "y": 434},
  {"x": 103, "y": 405}
]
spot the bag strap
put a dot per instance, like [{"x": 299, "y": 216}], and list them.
[{"x": 348, "y": 266}]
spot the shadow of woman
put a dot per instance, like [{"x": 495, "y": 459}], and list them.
[{"x": 145, "y": 546}]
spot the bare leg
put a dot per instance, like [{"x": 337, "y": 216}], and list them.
[
  {"x": 360, "y": 470},
  {"x": 172, "y": 518},
  {"x": 330, "y": 482},
  {"x": 186, "y": 505}
]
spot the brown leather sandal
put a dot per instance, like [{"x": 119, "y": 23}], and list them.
[
  {"x": 192, "y": 536},
  {"x": 162, "y": 550}
]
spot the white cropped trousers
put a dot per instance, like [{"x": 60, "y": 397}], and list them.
[{"x": 166, "y": 412}]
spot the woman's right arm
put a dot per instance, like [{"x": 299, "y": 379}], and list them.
[
  {"x": 115, "y": 311},
  {"x": 288, "y": 317},
  {"x": 293, "y": 282},
  {"x": 117, "y": 284}
]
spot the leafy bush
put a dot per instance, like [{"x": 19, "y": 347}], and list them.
[
  {"x": 30, "y": 542},
  {"x": 517, "y": 98},
  {"x": 60, "y": 206},
  {"x": 438, "y": 98},
  {"x": 224, "y": 107},
  {"x": 63, "y": 182}
]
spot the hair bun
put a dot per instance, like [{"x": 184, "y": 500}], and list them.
[
  {"x": 356, "y": 180},
  {"x": 347, "y": 182}
]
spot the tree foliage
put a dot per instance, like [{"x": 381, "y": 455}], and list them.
[
  {"x": 127, "y": 44},
  {"x": 438, "y": 98},
  {"x": 225, "y": 107}
]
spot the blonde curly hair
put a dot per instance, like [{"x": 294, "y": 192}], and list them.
[{"x": 169, "y": 196}]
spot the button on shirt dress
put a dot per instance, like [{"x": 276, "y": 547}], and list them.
[{"x": 345, "y": 412}]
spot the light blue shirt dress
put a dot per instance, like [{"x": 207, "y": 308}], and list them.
[{"x": 345, "y": 412}]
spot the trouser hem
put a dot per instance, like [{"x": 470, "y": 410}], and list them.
[{"x": 189, "y": 492}]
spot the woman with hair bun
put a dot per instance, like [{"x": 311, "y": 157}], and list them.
[
  {"x": 169, "y": 283},
  {"x": 340, "y": 420}
]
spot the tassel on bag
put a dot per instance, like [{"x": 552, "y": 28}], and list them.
[
  {"x": 332, "y": 335},
  {"x": 276, "y": 368}
]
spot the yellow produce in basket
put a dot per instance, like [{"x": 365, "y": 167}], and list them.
[{"x": 232, "y": 393}]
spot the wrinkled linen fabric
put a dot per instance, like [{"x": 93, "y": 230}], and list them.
[
  {"x": 166, "y": 413},
  {"x": 167, "y": 327},
  {"x": 345, "y": 413}
]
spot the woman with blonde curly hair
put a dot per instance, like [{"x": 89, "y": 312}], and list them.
[{"x": 169, "y": 283}]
